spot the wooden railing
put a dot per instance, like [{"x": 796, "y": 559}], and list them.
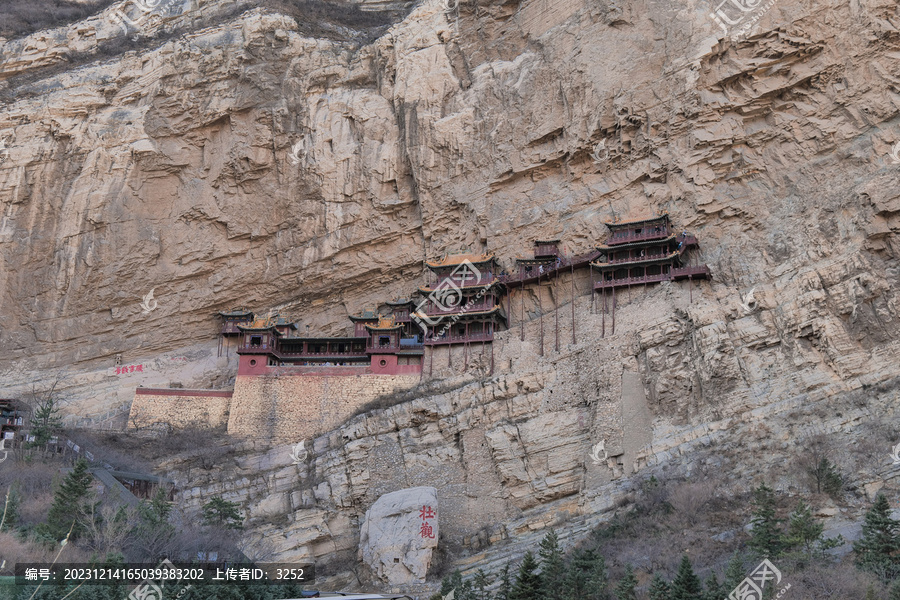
[
  {"x": 700, "y": 271},
  {"x": 691, "y": 271},
  {"x": 455, "y": 339},
  {"x": 635, "y": 259},
  {"x": 551, "y": 267},
  {"x": 432, "y": 312},
  {"x": 611, "y": 283},
  {"x": 624, "y": 238}
]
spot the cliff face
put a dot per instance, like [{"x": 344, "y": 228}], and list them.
[{"x": 250, "y": 163}]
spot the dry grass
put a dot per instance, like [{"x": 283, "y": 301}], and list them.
[
  {"x": 670, "y": 518},
  {"x": 141, "y": 451},
  {"x": 422, "y": 390},
  {"x": 22, "y": 17},
  {"x": 14, "y": 549},
  {"x": 832, "y": 582}
]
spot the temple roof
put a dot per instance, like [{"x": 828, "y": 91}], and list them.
[
  {"x": 399, "y": 302},
  {"x": 468, "y": 313},
  {"x": 367, "y": 315},
  {"x": 236, "y": 312},
  {"x": 546, "y": 242},
  {"x": 645, "y": 259},
  {"x": 612, "y": 224},
  {"x": 637, "y": 244},
  {"x": 452, "y": 260},
  {"x": 283, "y": 322},
  {"x": 543, "y": 260},
  {"x": 428, "y": 289},
  {"x": 385, "y": 324},
  {"x": 259, "y": 325}
]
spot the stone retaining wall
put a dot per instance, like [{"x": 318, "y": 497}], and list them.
[
  {"x": 287, "y": 409},
  {"x": 179, "y": 407}
]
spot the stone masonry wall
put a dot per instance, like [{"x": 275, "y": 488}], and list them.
[
  {"x": 287, "y": 409},
  {"x": 178, "y": 407}
]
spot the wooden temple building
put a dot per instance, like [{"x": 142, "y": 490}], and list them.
[
  {"x": 645, "y": 251},
  {"x": 462, "y": 303},
  {"x": 12, "y": 420},
  {"x": 640, "y": 252},
  {"x": 378, "y": 345}
]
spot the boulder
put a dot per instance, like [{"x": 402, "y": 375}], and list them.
[{"x": 399, "y": 534}]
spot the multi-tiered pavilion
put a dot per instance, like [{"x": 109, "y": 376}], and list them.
[
  {"x": 646, "y": 251},
  {"x": 461, "y": 300},
  {"x": 378, "y": 345}
]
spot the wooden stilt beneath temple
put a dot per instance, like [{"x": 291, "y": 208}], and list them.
[
  {"x": 613, "y": 311},
  {"x": 645, "y": 251},
  {"x": 492, "y": 356},
  {"x": 556, "y": 312},
  {"x": 541, "y": 314},
  {"x": 573, "y": 303},
  {"x": 592, "y": 289},
  {"x": 603, "y": 311},
  {"x": 522, "y": 315}
]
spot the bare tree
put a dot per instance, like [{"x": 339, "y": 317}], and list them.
[{"x": 107, "y": 527}]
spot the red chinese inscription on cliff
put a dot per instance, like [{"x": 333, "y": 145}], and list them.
[
  {"x": 427, "y": 530},
  {"x": 129, "y": 369}
]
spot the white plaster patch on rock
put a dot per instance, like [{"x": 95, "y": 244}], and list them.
[{"x": 392, "y": 542}]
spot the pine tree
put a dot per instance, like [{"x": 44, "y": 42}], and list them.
[
  {"x": 878, "y": 542},
  {"x": 462, "y": 590},
  {"x": 68, "y": 503},
  {"x": 528, "y": 582},
  {"x": 585, "y": 575},
  {"x": 597, "y": 581},
  {"x": 503, "y": 590},
  {"x": 46, "y": 421},
  {"x": 479, "y": 583},
  {"x": 766, "y": 538},
  {"x": 734, "y": 572},
  {"x": 827, "y": 477},
  {"x": 552, "y": 567},
  {"x": 804, "y": 531},
  {"x": 714, "y": 589},
  {"x": 222, "y": 513},
  {"x": 452, "y": 583},
  {"x": 627, "y": 585},
  {"x": 659, "y": 589},
  {"x": 686, "y": 585}
]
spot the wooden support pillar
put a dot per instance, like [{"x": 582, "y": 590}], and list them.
[
  {"x": 556, "y": 309},
  {"x": 540, "y": 312},
  {"x": 449, "y": 349},
  {"x": 573, "y": 302},
  {"x": 591, "y": 265},
  {"x": 690, "y": 288},
  {"x": 613, "y": 311},
  {"x": 466, "y": 349},
  {"x": 508, "y": 304},
  {"x": 492, "y": 355},
  {"x": 431, "y": 364},
  {"x": 603, "y": 311},
  {"x": 522, "y": 315}
]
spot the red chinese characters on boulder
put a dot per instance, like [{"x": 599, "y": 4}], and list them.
[
  {"x": 129, "y": 369},
  {"x": 427, "y": 530}
]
